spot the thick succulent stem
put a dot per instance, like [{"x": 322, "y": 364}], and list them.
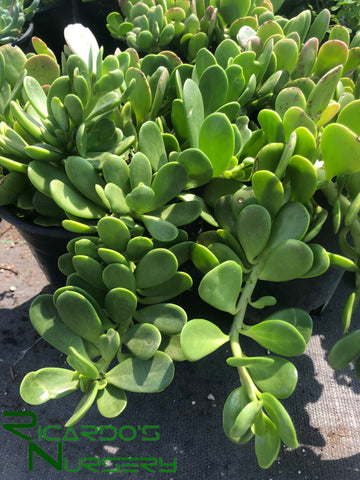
[
  {"x": 237, "y": 324},
  {"x": 332, "y": 194}
]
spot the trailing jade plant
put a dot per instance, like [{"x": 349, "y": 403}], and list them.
[
  {"x": 97, "y": 318},
  {"x": 210, "y": 150},
  {"x": 14, "y": 14}
]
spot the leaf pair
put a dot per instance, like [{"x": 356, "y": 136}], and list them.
[{"x": 242, "y": 418}]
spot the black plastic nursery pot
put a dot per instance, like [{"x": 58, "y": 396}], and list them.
[
  {"x": 46, "y": 243},
  {"x": 50, "y": 21},
  {"x": 24, "y": 41},
  {"x": 310, "y": 294},
  {"x": 93, "y": 15}
]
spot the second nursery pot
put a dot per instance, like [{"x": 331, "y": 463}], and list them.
[
  {"x": 50, "y": 21},
  {"x": 46, "y": 243}
]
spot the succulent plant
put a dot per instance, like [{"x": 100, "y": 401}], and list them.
[
  {"x": 14, "y": 14},
  {"x": 115, "y": 304},
  {"x": 129, "y": 150}
]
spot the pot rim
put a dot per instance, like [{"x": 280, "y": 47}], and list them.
[{"x": 7, "y": 213}]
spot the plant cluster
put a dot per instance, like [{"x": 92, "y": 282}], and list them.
[
  {"x": 13, "y": 15},
  {"x": 238, "y": 136},
  {"x": 343, "y": 12}
]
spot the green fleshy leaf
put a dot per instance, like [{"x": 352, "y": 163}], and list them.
[
  {"x": 221, "y": 286},
  {"x": 114, "y": 233},
  {"x": 245, "y": 420},
  {"x": 321, "y": 261},
  {"x": 271, "y": 123},
  {"x": 155, "y": 268},
  {"x": 331, "y": 54},
  {"x": 111, "y": 401},
  {"x": 109, "y": 344},
  {"x": 289, "y": 97},
  {"x": 152, "y": 145},
  {"x": 43, "y": 68},
  {"x": 303, "y": 178},
  {"x": 11, "y": 187},
  {"x": 200, "y": 338},
  {"x": 277, "y": 336},
  {"x": 137, "y": 247},
  {"x": 291, "y": 222},
  {"x": 48, "y": 383},
  {"x": 99, "y": 309},
  {"x": 198, "y": 166},
  {"x": 142, "y": 340},
  {"x": 140, "y": 170},
  {"x": 141, "y": 199},
  {"x": 194, "y": 111},
  {"x": 73, "y": 202},
  {"x": 213, "y": 86},
  {"x": 36, "y": 95},
  {"x": 281, "y": 419},
  {"x": 295, "y": 117},
  {"x": 82, "y": 364},
  {"x": 349, "y": 116},
  {"x": 47, "y": 322},
  {"x": 89, "y": 269},
  {"x": 340, "y": 148},
  {"x": 235, "y": 403},
  {"x": 167, "y": 317},
  {"x": 322, "y": 92},
  {"x": 169, "y": 181},
  {"x": 79, "y": 315},
  {"x": 289, "y": 260},
  {"x": 178, "y": 284},
  {"x": 120, "y": 304},
  {"x": 84, "y": 177},
  {"x": 345, "y": 350},
  {"x": 217, "y": 141},
  {"x": 279, "y": 379},
  {"x": 180, "y": 213},
  {"x": 84, "y": 405},
  {"x": 40, "y": 175},
  {"x": 267, "y": 446},
  {"x": 286, "y": 51},
  {"x": 297, "y": 317},
  {"x": 253, "y": 229},
  {"x": 170, "y": 344},
  {"x": 203, "y": 259},
  {"x": 117, "y": 275},
  {"x": 160, "y": 229},
  {"x": 227, "y": 48},
  {"x": 224, "y": 252},
  {"x": 116, "y": 171},
  {"x": 116, "y": 198},
  {"x": 143, "y": 376},
  {"x": 251, "y": 361},
  {"x": 268, "y": 190}
]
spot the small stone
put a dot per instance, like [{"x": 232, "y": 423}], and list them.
[
  {"x": 12, "y": 289},
  {"x": 211, "y": 396},
  {"x": 193, "y": 402}
]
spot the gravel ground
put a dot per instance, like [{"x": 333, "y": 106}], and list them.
[{"x": 186, "y": 417}]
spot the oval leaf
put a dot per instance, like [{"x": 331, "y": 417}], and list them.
[
  {"x": 277, "y": 336},
  {"x": 145, "y": 376},
  {"x": 201, "y": 337},
  {"x": 221, "y": 286}
]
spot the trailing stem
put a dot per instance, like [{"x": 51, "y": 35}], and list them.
[{"x": 237, "y": 325}]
